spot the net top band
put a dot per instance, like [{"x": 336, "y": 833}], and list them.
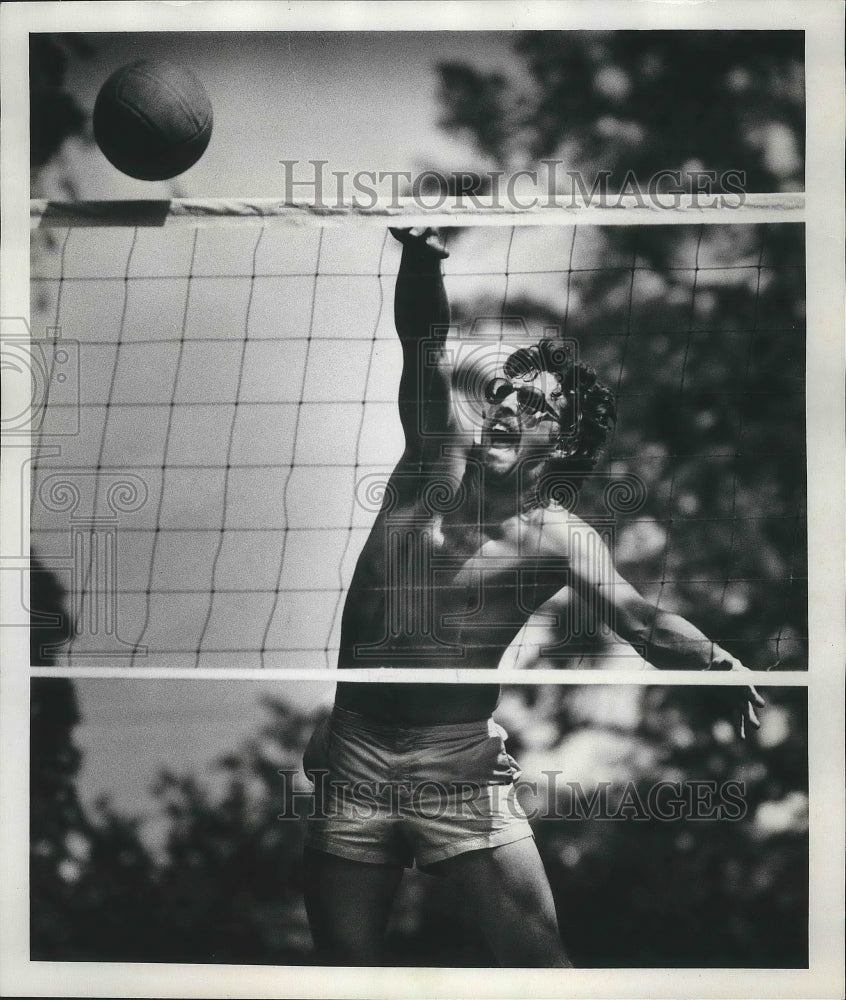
[{"x": 454, "y": 210}]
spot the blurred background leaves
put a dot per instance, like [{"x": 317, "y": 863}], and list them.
[
  {"x": 640, "y": 101},
  {"x": 224, "y": 882},
  {"x": 699, "y": 329}
]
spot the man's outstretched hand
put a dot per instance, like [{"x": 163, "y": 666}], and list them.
[
  {"x": 744, "y": 701},
  {"x": 420, "y": 236}
]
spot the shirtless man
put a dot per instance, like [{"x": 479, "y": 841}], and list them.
[{"x": 464, "y": 549}]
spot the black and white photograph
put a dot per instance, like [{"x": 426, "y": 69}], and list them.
[{"x": 423, "y": 501}]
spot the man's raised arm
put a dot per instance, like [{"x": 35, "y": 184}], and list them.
[{"x": 421, "y": 313}]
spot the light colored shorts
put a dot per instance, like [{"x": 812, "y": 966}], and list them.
[{"x": 388, "y": 794}]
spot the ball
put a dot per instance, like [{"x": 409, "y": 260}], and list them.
[{"x": 152, "y": 120}]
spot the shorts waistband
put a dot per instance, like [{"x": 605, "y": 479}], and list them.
[{"x": 345, "y": 716}]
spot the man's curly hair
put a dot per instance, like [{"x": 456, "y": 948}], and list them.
[{"x": 586, "y": 407}]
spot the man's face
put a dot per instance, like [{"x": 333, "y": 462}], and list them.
[{"x": 514, "y": 433}]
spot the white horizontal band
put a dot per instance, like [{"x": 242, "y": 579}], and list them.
[
  {"x": 458, "y": 210},
  {"x": 399, "y": 675}
]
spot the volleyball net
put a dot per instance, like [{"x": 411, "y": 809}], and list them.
[{"x": 203, "y": 497}]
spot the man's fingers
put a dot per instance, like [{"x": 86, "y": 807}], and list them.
[
  {"x": 748, "y": 717},
  {"x": 756, "y": 697},
  {"x": 420, "y": 235},
  {"x": 751, "y": 699},
  {"x": 406, "y": 235}
]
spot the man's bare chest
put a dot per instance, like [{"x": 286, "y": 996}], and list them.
[{"x": 468, "y": 550}]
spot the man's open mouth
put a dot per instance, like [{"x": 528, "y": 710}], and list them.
[{"x": 502, "y": 436}]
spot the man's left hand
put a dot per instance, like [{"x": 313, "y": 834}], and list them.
[{"x": 744, "y": 715}]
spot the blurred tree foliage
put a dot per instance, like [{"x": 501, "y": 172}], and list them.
[
  {"x": 641, "y": 101},
  {"x": 708, "y": 363},
  {"x": 685, "y": 892},
  {"x": 217, "y": 875},
  {"x": 699, "y": 329},
  {"x": 54, "y": 114},
  {"x": 225, "y": 886},
  {"x": 58, "y": 826},
  {"x": 55, "y": 117}
]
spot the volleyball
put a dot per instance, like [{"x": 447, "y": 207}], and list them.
[{"x": 152, "y": 119}]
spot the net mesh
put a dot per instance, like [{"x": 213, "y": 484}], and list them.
[{"x": 237, "y": 386}]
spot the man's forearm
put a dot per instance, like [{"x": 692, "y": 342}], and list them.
[
  {"x": 421, "y": 314},
  {"x": 670, "y": 642},
  {"x": 420, "y": 302}
]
